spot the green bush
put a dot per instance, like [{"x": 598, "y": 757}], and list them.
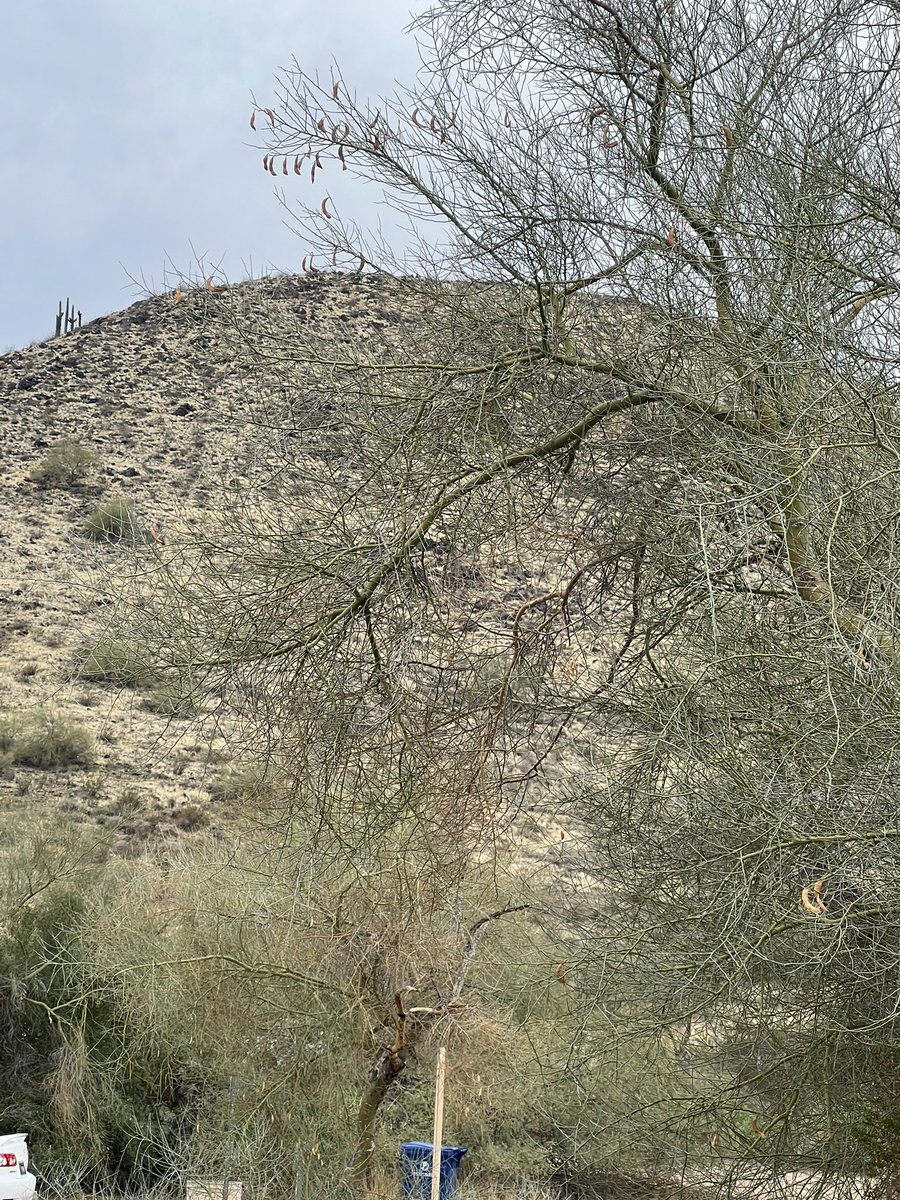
[
  {"x": 106, "y": 1102},
  {"x": 47, "y": 739},
  {"x": 66, "y": 464},
  {"x": 112, "y": 521},
  {"x": 169, "y": 700},
  {"x": 112, "y": 660}
]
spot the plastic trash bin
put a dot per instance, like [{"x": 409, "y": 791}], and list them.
[{"x": 416, "y": 1159}]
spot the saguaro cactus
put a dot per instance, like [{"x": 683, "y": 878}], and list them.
[{"x": 65, "y": 319}]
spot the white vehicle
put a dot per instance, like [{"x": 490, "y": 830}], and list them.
[{"x": 16, "y": 1181}]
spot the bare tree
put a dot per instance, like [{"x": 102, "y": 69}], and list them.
[{"x": 614, "y": 493}]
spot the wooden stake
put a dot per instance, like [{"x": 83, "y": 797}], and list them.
[{"x": 437, "y": 1139}]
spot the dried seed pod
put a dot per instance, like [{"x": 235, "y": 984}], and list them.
[
  {"x": 670, "y": 238},
  {"x": 253, "y": 119},
  {"x": 811, "y": 900},
  {"x": 729, "y": 137},
  {"x": 324, "y": 209},
  {"x": 270, "y": 115}
]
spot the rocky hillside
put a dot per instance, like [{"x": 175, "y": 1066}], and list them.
[{"x": 156, "y": 393}]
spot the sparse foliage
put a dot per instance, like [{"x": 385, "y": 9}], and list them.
[
  {"x": 47, "y": 739},
  {"x": 113, "y": 520},
  {"x": 66, "y": 464},
  {"x": 112, "y": 660}
]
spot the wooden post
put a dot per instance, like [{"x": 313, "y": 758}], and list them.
[{"x": 438, "y": 1137}]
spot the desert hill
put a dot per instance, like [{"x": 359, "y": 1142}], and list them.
[
  {"x": 157, "y": 393},
  {"x": 160, "y": 395}
]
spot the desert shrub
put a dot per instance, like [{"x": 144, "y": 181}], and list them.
[
  {"x": 170, "y": 700},
  {"x": 112, "y": 521},
  {"x": 111, "y": 660},
  {"x": 301, "y": 1057},
  {"x": 47, "y": 739},
  {"x": 103, "y": 1100},
  {"x": 247, "y": 781},
  {"x": 66, "y": 464},
  {"x": 191, "y": 817}
]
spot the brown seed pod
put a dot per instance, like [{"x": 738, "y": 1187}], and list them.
[
  {"x": 284, "y": 167},
  {"x": 729, "y": 137},
  {"x": 324, "y": 209},
  {"x": 670, "y": 238},
  {"x": 335, "y": 88},
  {"x": 374, "y": 120},
  {"x": 595, "y": 115},
  {"x": 271, "y": 164},
  {"x": 506, "y": 120},
  {"x": 253, "y": 119},
  {"x": 270, "y": 115},
  {"x": 298, "y": 165},
  {"x": 415, "y": 119},
  {"x": 265, "y": 162},
  {"x": 757, "y": 1128},
  {"x": 812, "y": 901},
  {"x": 341, "y": 157},
  {"x": 320, "y": 124}
]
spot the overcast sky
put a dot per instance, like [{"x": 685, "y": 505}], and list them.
[{"x": 126, "y": 153}]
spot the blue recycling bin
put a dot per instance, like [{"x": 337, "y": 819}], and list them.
[{"x": 416, "y": 1160}]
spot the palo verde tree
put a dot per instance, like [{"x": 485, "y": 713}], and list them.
[{"x": 612, "y": 493}]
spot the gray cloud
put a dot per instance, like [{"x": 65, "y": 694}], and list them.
[{"x": 126, "y": 142}]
